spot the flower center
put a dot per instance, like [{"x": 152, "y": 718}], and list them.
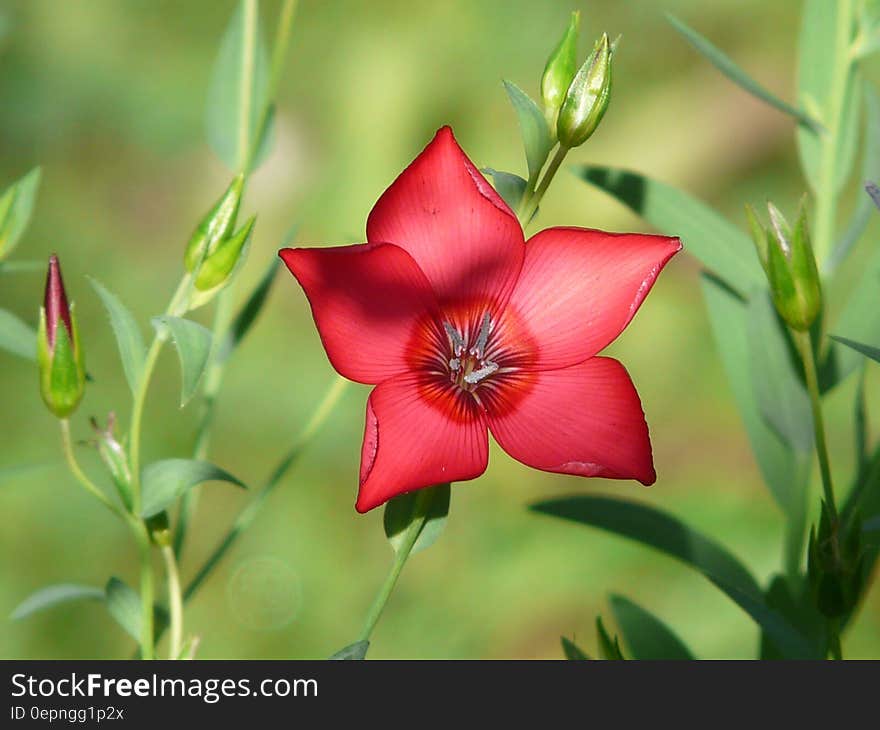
[{"x": 468, "y": 364}]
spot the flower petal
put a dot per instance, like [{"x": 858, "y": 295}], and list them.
[
  {"x": 585, "y": 420},
  {"x": 367, "y": 301},
  {"x": 579, "y": 288},
  {"x": 419, "y": 434},
  {"x": 453, "y": 223}
]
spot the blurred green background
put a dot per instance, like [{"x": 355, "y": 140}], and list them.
[{"x": 109, "y": 97}]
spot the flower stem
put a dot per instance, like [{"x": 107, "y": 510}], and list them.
[
  {"x": 826, "y": 193},
  {"x": 140, "y": 396},
  {"x": 809, "y": 362},
  {"x": 175, "y": 600},
  {"x": 249, "y": 513},
  {"x": 147, "y": 633},
  {"x": 79, "y": 474},
  {"x": 248, "y": 47},
  {"x": 422, "y": 505},
  {"x": 531, "y": 201}
]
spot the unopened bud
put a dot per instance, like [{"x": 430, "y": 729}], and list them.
[
  {"x": 59, "y": 354},
  {"x": 559, "y": 71},
  {"x": 587, "y": 97},
  {"x": 217, "y": 266},
  {"x": 216, "y": 226}
]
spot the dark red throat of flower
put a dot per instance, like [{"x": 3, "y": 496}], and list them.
[{"x": 55, "y": 301}]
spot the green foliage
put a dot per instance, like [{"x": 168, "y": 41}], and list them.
[
  {"x": 124, "y": 605},
  {"x": 193, "y": 343},
  {"x": 401, "y": 511},
  {"x": 17, "y": 337},
  {"x": 165, "y": 481},
  {"x": 355, "y": 651},
  {"x": 867, "y": 350},
  {"x": 609, "y": 649},
  {"x": 509, "y": 186},
  {"x": 55, "y": 595},
  {"x": 646, "y": 636},
  {"x": 16, "y": 207},
  {"x": 572, "y": 651},
  {"x": 733, "y": 72},
  {"x": 533, "y": 126},
  {"x": 128, "y": 335}
]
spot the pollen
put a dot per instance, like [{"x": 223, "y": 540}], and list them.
[{"x": 469, "y": 365}]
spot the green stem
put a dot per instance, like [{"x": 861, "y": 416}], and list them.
[
  {"x": 76, "y": 470},
  {"x": 530, "y": 202},
  {"x": 140, "y": 396},
  {"x": 247, "y": 82},
  {"x": 210, "y": 390},
  {"x": 834, "y": 639},
  {"x": 809, "y": 361},
  {"x": 413, "y": 530},
  {"x": 826, "y": 193},
  {"x": 147, "y": 593},
  {"x": 249, "y": 513},
  {"x": 175, "y": 601}
]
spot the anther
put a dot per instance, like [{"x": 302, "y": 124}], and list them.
[
  {"x": 479, "y": 347},
  {"x": 455, "y": 337},
  {"x": 477, "y": 375}
]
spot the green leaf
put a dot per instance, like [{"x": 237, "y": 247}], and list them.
[
  {"x": 798, "y": 609},
  {"x": 240, "y": 80},
  {"x": 781, "y": 395},
  {"x": 193, "y": 342},
  {"x": 127, "y": 333},
  {"x": 860, "y": 427},
  {"x": 572, "y": 651},
  {"x": 509, "y": 186},
  {"x": 400, "y": 512},
  {"x": 864, "y": 209},
  {"x": 355, "y": 651},
  {"x": 733, "y": 72},
  {"x": 866, "y": 350},
  {"x": 859, "y": 321},
  {"x": 124, "y": 606},
  {"x": 872, "y": 525},
  {"x": 609, "y": 649},
  {"x": 785, "y": 472},
  {"x": 657, "y": 530},
  {"x": 17, "y": 337},
  {"x": 164, "y": 481},
  {"x": 787, "y": 638},
  {"x": 16, "y": 207},
  {"x": 247, "y": 315},
  {"x": 819, "y": 45},
  {"x": 55, "y": 595},
  {"x": 533, "y": 126},
  {"x": 646, "y": 636},
  {"x": 717, "y": 243}
]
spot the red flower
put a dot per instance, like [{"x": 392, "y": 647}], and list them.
[{"x": 465, "y": 328}]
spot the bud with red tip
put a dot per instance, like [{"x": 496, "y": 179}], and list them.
[{"x": 59, "y": 353}]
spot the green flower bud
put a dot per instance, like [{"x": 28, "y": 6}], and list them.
[
  {"x": 587, "y": 97},
  {"x": 159, "y": 528},
  {"x": 59, "y": 354},
  {"x": 217, "y": 266},
  {"x": 215, "y": 226},
  {"x": 560, "y": 70},
  {"x": 787, "y": 259}
]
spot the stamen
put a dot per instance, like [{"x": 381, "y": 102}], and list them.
[
  {"x": 455, "y": 364},
  {"x": 457, "y": 341},
  {"x": 479, "y": 347},
  {"x": 477, "y": 375}
]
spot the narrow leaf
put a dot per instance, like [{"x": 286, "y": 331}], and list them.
[
  {"x": 708, "y": 236},
  {"x": 355, "y": 651},
  {"x": 124, "y": 606},
  {"x": 55, "y": 595},
  {"x": 509, "y": 186},
  {"x": 782, "y": 397},
  {"x": 572, "y": 651},
  {"x": 238, "y": 89},
  {"x": 127, "y": 333},
  {"x": 733, "y": 72},
  {"x": 16, "y": 208},
  {"x": 533, "y": 126},
  {"x": 247, "y": 315},
  {"x": 864, "y": 209},
  {"x": 193, "y": 342},
  {"x": 17, "y": 337},
  {"x": 609, "y": 648},
  {"x": 646, "y": 636},
  {"x": 792, "y": 598},
  {"x": 165, "y": 481},
  {"x": 866, "y": 350},
  {"x": 785, "y": 472},
  {"x": 400, "y": 512},
  {"x": 657, "y": 530}
]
